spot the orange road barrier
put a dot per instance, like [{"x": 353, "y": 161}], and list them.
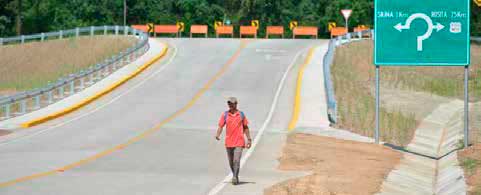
[
  {"x": 224, "y": 30},
  {"x": 172, "y": 29},
  {"x": 198, "y": 29},
  {"x": 275, "y": 30},
  {"x": 360, "y": 29},
  {"x": 338, "y": 31},
  {"x": 304, "y": 30},
  {"x": 248, "y": 30},
  {"x": 143, "y": 28}
]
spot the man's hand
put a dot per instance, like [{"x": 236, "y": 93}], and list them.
[
  {"x": 248, "y": 144},
  {"x": 217, "y": 138}
]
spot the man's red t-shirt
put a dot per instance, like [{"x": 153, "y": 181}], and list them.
[{"x": 234, "y": 129}]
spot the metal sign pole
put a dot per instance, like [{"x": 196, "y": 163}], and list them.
[
  {"x": 466, "y": 106},
  {"x": 347, "y": 22},
  {"x": 376, "y": 136}
]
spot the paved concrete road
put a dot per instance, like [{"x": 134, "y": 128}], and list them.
[{"x": 181, "y": 155}]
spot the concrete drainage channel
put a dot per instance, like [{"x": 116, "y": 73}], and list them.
[{"x": 432, "y": 167}]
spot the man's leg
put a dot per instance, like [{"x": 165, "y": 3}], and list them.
[
  {"x": 230, "y": 156},
  {"x": 237, "y": 158}
]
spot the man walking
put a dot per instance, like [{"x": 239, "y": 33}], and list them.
[{"x": 236, "y": 126}]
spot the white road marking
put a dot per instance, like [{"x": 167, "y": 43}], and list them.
[
  {"x": 96, "y": 109},
  {"x": 249, "y": 152}
]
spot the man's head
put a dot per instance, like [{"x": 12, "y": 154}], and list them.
[{"x": 232, "y": 103}]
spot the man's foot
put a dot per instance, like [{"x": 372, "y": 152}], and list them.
[{"x": 235, "y": 181}]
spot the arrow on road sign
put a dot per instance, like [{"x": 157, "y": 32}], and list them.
[
  {"x": 293, "y": 24},
  {"x": 180, "y": 26},
  {"x": 426, "y": 35},
  {"x": 150, "y": 27},
  {"x": 255, "y": 23}
]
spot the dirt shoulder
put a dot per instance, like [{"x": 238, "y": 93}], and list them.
[
  {"x": 470, "y": 160},
  {"x": 338, "y": 166}
]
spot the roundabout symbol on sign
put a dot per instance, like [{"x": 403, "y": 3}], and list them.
[{"x": 426, "y": 35}]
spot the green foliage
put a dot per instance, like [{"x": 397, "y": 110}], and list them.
[
  {"x": 47, "y": 15},
  {"x": 470, "y": 165}
]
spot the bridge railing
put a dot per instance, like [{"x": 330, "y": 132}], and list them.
[{"x": 25, "y": 102}]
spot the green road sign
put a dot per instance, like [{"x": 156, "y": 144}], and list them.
[{"x": 421, "y": 32}]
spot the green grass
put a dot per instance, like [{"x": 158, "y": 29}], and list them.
[
  {"x": 354, "y": 81},
  {"x": 50, "y": 60},
  {"x": 470, "y": 165}
]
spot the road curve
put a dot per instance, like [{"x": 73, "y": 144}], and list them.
[{"x": 178, "y": 102}]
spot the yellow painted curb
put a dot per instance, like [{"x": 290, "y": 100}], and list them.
[
  {"x": 139, "y": 137},
  {"x": 297, "y": 99},
  {"x": 96, "y": 96}
]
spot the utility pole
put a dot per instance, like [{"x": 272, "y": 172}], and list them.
[{"x": 125, "y": 12}]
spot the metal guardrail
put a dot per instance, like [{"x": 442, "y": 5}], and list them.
[
  {"x": 328, "y": 60},
  {"x": 25, "y": 102}
]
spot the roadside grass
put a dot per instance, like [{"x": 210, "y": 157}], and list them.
[
  {"x": 353, "y": 75},
  {"x": 35, "y": 64}
]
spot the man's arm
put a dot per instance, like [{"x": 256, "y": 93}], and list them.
[
  {"x": 248, "y": 135},
  {"x": 219, "y": 131}
]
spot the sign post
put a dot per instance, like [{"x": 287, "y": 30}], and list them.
[
  {"x": 422, "y": 33},
  {"x": 346, "y": 13}
]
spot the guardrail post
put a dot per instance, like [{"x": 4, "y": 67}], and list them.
[
  {"x": 42, "y": 37},
  {"x": 127, "y": 57},
  {"x": 114, "y": 64},
  {"x": 37, "y": 102},
  {"x": 72, "y": 87},
  {"x": 126, "y": 32},
  {"x": 77, "y": 32},
  {"x": 7, "y": 110},
  {"x": 99, "y": 74},
  {"x": 61, "y": 91},
  {"x": 348, "y": 35},
  {"x": 91, "y": 31},
  {"x": 23, "y": 106},
  {"x": 50, "y": 97},
  {"x": 22, "y": 38},
  {"x": 359, "y": 34},
  {"x": 60, "y": 36},
  {"x": 105, "y": 30},
  {"x": 82, "y": 83},
  {"x": 338, "y": 40},
  {"x": 372, "y": 35},
  {"x": 116, "y": 30},
  {"x": 1, "y": 41},
  {"x": 91, "y": 78}
]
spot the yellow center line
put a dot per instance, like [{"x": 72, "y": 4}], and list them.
[
  {"x": 139, "y": 137},
  {"x": 297, "y": 98}
]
